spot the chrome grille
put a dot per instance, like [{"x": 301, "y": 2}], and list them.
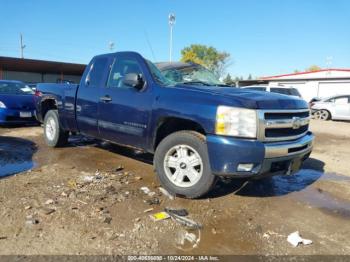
[{"x": 281, "y": 125}]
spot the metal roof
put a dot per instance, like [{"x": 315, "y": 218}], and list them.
[{"x": 42, "y": 66}]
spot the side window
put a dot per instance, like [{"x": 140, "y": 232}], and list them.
[
  {"x": 93, "y": 79},
  {"x": 257, "y": 88},
  {"x": 283, "y": 91},
  {"x": 120, "y": 69},
  {"x": 342, "y": 100}
]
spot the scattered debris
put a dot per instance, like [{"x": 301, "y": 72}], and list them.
[
  {"x": 72, "y": 184},
  {"x": 47, "y": 211},
  {"x": 160, "y": 216},
  {"x": 3, "y": 237},
  {"x": 151, "y": 194},
  {"x": 138, "y": 178},
  {"x": 119, "y": 168},
  {"x": 137, "y": 219},
  {"x": 152, "y": 201},
  {"x": 31, "y": 221},
  {"x": 107, "y": 220},
  {"x": 88, "y": 179},
  {"x": 295, "y": 239},
  {"x": 187, "y": 238},
  {"x": 111, "y": 190},
  {"x": 189, "y": 223},
  {"x": 64, "y": 194},
  {"x": 145, "y": 190},
  {"x": 180, "y": 212},
  {"x": 148, "y": 210},
  {"x": 213, "y": 231},
  {"x": 27, "y": 207},
  {"x": 49, "y": 202},
  {"x": 166, "y": 193}
]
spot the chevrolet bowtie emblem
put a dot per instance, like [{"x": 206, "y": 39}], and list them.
[{"x": 296, "y": 122}]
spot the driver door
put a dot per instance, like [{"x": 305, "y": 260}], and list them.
[{"x": 124, "y": 111}]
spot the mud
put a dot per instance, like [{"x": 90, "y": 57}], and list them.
[{"x": 106, "y": 215}]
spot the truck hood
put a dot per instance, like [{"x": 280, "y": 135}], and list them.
[
  {"x": 250, "y": 98},
  {"x": 21, "y": 102}
]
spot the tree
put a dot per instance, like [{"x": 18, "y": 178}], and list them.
[
  {"x": 250, "y": 77},
  {"x": 228, "y": 80},
  {"x": 313, "y": 68},
  {"x": 206, "y": 56}
]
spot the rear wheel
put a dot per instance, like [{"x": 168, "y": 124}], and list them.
[
  {"x": 54, "y": 135},
  {"x": 322, "y": 115},
  {"x": 182, "y": 164}
]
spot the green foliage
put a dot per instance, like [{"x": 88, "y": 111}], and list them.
[
  {"x": 228, "y": 80},
  {"x": 313, "y": 68},
  {"x": 206, "y": 56}
]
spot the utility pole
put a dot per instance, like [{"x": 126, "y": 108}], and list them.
[
  {"x": 171, "y": 19},
  {"x": 22, "y": 46},
  {"x": 111, "y": 46}
]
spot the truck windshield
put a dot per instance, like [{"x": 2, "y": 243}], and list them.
[
  {"x": 158, "y": 76},
  {"x": 192, "y": 74},
  {"x": 15, "y": 89}
]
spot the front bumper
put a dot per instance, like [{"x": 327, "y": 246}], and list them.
[
  {"x": 274, "y": 158},
  {"x": 12, "y": 116}
]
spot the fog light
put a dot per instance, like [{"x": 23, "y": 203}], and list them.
[{"x": 245, "y": 167}]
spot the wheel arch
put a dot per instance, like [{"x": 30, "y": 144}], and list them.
[{"x": 169, "y": 125}]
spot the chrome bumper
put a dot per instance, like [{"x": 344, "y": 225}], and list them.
[{"x": 296, "y": 147}]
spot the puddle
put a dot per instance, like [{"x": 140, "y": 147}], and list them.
[
  {"x": 14, "y": 168},
  {"x": 280, "y": 185},
  {"x": 283, "y": 185},
  {"x": 15, "y": 155},
  {"x": 325, "y": 201}
]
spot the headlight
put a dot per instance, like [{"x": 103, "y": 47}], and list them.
[
  {"x": 233, "y": 121},
  {"x": 2, "y": 105}
]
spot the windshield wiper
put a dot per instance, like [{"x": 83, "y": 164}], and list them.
[{"x": 195, "y": 82}]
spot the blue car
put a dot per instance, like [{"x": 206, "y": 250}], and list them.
[{"x": 16, "y": 103}]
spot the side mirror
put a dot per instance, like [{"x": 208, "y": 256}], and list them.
[{"x": 134, "y": 80}]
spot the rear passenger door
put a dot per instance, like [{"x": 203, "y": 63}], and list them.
[
  {"x": 124, "y": 111},
  {"x": 342, "y": 107},
  {"x": 88, "y": 96}
]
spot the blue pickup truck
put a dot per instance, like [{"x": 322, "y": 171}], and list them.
[{"x": 197, "y": 129}]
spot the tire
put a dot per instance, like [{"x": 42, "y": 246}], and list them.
[
  {"x": 54, "y": 135},
  {"x": 323, "y": 115},
  {"x": 181, "y": 162}
]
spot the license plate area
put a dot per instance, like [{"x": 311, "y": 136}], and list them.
[{"x": 25, "y": 114}]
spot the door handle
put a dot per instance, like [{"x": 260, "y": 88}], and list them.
[{"x": 106, "y": 99}]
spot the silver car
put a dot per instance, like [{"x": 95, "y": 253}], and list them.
[{"x": 335, "y": 107}]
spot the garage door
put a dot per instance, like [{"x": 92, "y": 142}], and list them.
[{"x": 326, "y": 89}]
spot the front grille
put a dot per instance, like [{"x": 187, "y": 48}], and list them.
[
  {"x": 19, "y": 119},
  {"x": 279, "y": 132},
  {"x": 286, "y": 115},
  {"x": 281, "y": 125}
]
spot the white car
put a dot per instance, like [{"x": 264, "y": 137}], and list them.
[
  {"x": 285, "y": 90},
  {"x": 335, "y": 107}
]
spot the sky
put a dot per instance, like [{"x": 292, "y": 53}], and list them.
[{"x": 264, "y": 37}]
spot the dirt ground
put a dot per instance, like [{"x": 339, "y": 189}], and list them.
[{"x": 86, "y": 199}]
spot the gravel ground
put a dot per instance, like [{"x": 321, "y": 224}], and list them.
[{"x": 86, "y": 199}]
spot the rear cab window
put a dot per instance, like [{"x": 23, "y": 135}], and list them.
[
  {"x": 257, "y": 88},
  {"x": 97, "y": 69}
]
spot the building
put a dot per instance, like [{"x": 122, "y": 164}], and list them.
[
  {"x": 39, "y": 71},
  {"x": 322, "y": 83}
]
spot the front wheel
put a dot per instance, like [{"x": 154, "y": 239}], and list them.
[
  {"x": 182, "y": 164},
  {"x": 322, "y": 115},
  {"x": 54, "y": 135}
]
